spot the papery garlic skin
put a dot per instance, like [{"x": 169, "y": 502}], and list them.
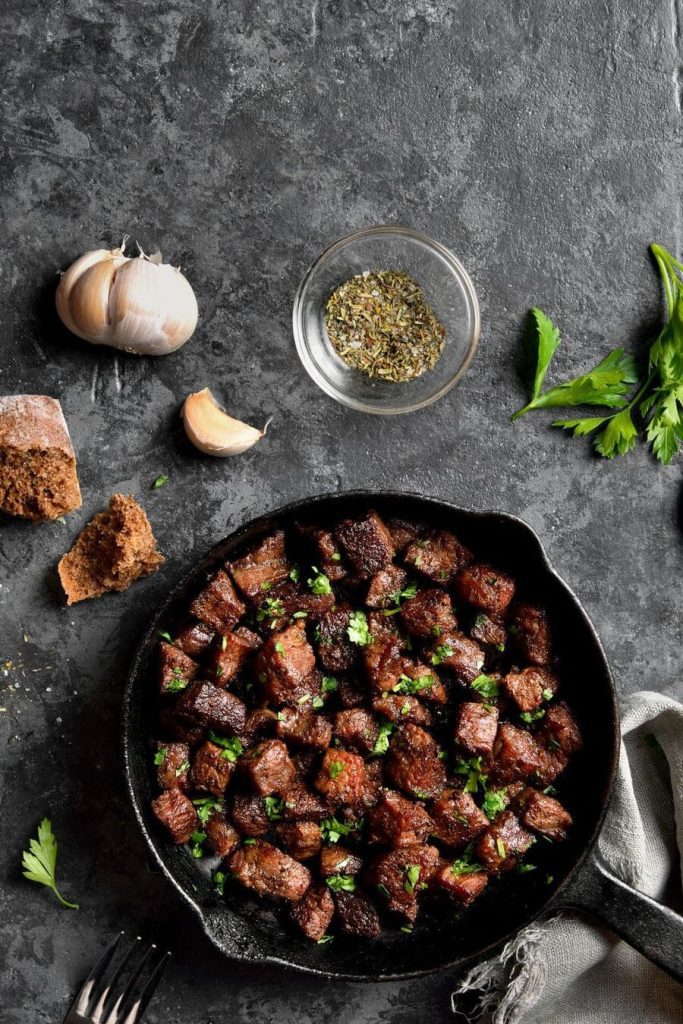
[
  {"x": 136, "y": 304},
  {"x": 212, "y": 431}
]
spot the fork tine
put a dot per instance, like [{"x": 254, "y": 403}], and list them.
[
  {"x": 113, "y": 1017},
  {"x": 136, "y": 1011},
  {"x": 95, "y": 977},
  {"x": 111, "y": 986}
]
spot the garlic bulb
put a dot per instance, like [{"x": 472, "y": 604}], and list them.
[
  {"x": 210, "y": 429},
  {"x": 137, "y": 304}
]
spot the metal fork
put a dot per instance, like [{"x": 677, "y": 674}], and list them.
[{"x": 119, "y": 994}]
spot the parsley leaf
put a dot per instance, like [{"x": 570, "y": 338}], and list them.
[
  {"x": 475, "y": 777},
  {"x": 486, "y": 686},
  {"x": 494, "y": 802},
  {"x": 159, "y": 482},
  {"x": 347, "y": 883},
  {"x": 219, "y": 882},
  {"x": 408, "y": 686},
  {"x": 206, "y": 807},
  {"x": 332, "y": 829},
  {"x": 319, "y": 583},
  {"x": 382, "y": 742},
  {"x": 442, "y": 651},
  {"x": 335, "y": 768},
  {"x": 274, "y": 807},
  {"x": 357, "y": 629},
  {"x": 160, "y": 755},
  {"x": 40, "y": 860},
  {"x": 412, "y": 872},
  {"x": 232, "y": 746},
  {"x": 329, "y": 684}
]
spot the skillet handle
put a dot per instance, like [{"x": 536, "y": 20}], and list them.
[{"x": 653, "y": 929}]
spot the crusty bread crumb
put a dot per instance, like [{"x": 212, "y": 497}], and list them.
[
  {"x": 116, "y": 548},
  {"x": 37, "y": 464}
]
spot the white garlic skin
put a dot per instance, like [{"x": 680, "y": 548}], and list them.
[
  {"x": 135, "y": 304},
  {"x": 212, "y": 431}
]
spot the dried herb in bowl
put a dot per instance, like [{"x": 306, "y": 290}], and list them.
[{"x": 380, "y": 323}]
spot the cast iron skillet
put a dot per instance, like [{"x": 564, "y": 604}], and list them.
[{"x": 247, "y": 929}]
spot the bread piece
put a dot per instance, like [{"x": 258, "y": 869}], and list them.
[
  {"x": 116, "y": 548},
  {"x": 37, "y": 463}
]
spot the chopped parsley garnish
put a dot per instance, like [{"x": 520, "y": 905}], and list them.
[
  {"x": 317, "y": 703},
  {"x": 399, "y": 596},
  {"x": 165, "y": 636},
  {"x": 532, "y": 716},
  {"x": 547, "y": 694},
  {"x": 408, "y": 686},
  {"x": 206, "y": 807},
  {"x": 486, "y": 686},
  {"x": 274, "y": 807},
  {"x": 232, "y": 746},
  {"x": 550, "y": 791},
  {"x": 159, "y": 482},
  {"x": 436, "y": 630},
  {"x": 219, "y": 671},
  {"x": 267, "y": 585},
  {"x": 442, "y": 651},
  {"x": 324, "y": 939},
  {"x": 279, "y": 648},
  {"x": 176, "y": 683},
  {"x": 405, "y": 708},
  {"x": 329, "y": 684},
  {"x": 335, "y": 556},
  {"x": 272, "y": 608},
  {"x": 182, "y": 768},
  {"x": 332, "y": 829},
  {"x": 357, "y": 629},
  {"x": 319, "y": 584},
  {"x": 160, "y": 755},
  {"x": 553, "y": 744},
  {"x": 494, "y": 802},
  {"x": 295, "y": 574},
  {"x": 472, "y": 769},
  {"x": 300, "y": 615},
  {"x": 249, "y": 842},
  {"x": 197, "y": 840},
  {"x": 480, "y": 620},
  {"x": 412, "y": 872},
  {"x": 382, "y": 742},
  {"x": 338, "y": 883},
  {"x": 383, "y": 890},
  {"x": 500, "y": 847},
  {"x": 464, "y": 866},
  {"x": 335, "y": 768},
  {"x": 524, "y": 868},
  {"x": 219, "y": 882}
]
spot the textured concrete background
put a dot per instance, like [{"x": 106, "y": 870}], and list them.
[{"x": 541, "y": 143}]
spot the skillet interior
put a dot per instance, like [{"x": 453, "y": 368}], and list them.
[{"x": 246, "y": 928}]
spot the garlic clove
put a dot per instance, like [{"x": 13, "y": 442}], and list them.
[
  {"x": 89, "y": 302},
  {"x": 68, "y": 281},
  {"x": 152, "y": 307},
  {"x": 210, "y": 429}
]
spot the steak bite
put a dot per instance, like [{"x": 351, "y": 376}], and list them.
[
  {"x": 386, "y": 586},
  {"x": 413, "y": 763},
  {"x": 327, "y": 554},
  {"x": 489, "y": 629},
  {"x": 440, "y": 556},
  {"x": 357, "y": 914},
  {"x": 178, "y": 728},
  {"x": 216, "y": 709},
  {"x": 172, "y": 762},
  {"x": 352, "y": 692},
  {"x": 176, "y": 670},
  {"x": 486, "y": 588},
  {"x": 288, "y": 601},
  {"x": 342, "y": 778},
  {"x": 429, "y": 613},
  {"x": 464, "y": 886},
  {"x": 218, "y": 604},
  {"x": 211, "y": 771},
  {"x": 399, "y": 709},
  {"x": 220, "y": 835},
  {"x": 560, "y": 731},
  {"x": 268, "y": 767},
  {"x": 366, "y": 544},
  {"x": 228, "y": 658},
  {"x": 335, "y": 651},
  {"x": 337, "y": 860},
  {"x": 544, "y": 814},
  {"x": 530, "y": 687},
  {"x": 194, "y": 640},
  {"x": 552, "y": 763},
  {"x": 457, "y": 653},
  {"x": 260, "y": 569},
  {"x": 503, "y": 844},
  {"x": 301, "y": 839},
  {"x": 269, "y": 872},
  {"x": 302, "y": 805},
  {"x": 314, "y": 911},
  {"x": 402, "y": 532},
  {"x": 400, "y": 874},
  {"x": 531, "y": 632},
  {"x": 397, "y": 821},
  {"x": 285, "y": 664},
  {"x": 357, "y": 729},
  {"x": 476, "y": 726},
  {"x": 457, "y": 820},
  {"x": 515, "y": 754},
  {"x": 249, "y": 814},
  {"x": 303, "y": 727},
  {"x": 176, "y": 813}
]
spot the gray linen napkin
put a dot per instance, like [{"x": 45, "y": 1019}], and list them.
[{"x": 570, "y": 971}]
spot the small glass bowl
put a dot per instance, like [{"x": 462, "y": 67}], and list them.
[{"x": 448, "y": 290}]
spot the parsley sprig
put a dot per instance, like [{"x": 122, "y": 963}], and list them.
[{"x": 40, "y": 860}]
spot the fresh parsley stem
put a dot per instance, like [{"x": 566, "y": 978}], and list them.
[{"x": 65, "y": 903}]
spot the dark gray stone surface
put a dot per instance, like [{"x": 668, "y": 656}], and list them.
[{"x": 540, "y": 141}]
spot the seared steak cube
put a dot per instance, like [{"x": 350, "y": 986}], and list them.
[
  {"x": 531, "y": 631},
  {"x": 305, "y": 760},
  {"x": 335, "y": 650},
  {"x": 386, "y": 643},
  {"x": 314, "y": 911},
  {"x": 401, "y": 873},
  {"x": 402, "y": 532},
  {"x": 178, "y": 728},
  {"x": 457, "y": 818},
  {"x": 357, "y": 729},
  {"x": 400, "y": 709},
  {"x": 503, "y": 844},
  {"x": 326, "y": 552},
  {"x": 231, "y": 653},
  {"x": 301, "y": 839},
  {"x": 269, "y": 872},
  {"x": 172, "y": 762},
  {"x": 177, "y": 813},
  {"x": 544, "y": 814},
  {"x": 218, "y": 603},
  {"x": 259, "y": 570},
  {"x": 530, "y": 687},
  {"x": 260, "y": 722},
  {"x": 337, "y": 860},
  {"x": 302, "y": 805},
  {"x": 489, "y": 629},
  {"x": 486, "y": 588},
  {"x": 342, "y": 778},
  {"x": 366, "y": 544},
  {"x": 397, "y": 821},
  {"x": 285, "y": 664},
  {"x": 560, "y": 731},
  {"x": 352, "y": 692},
  {"x": 211, "y": 771},
  {"x": 268, "y": 767},
  {"x": 195, "y": 640},
  {"x": 515, "y": 754},
  {"x": 220, "y": 835},
  {"x": 176, "y": 670},
  {"x": 429, "y": 613},
  {"x": 462, "y": 886},
  {"x": 552, "y": 763},
  {"x": 357, "y": 914},
  {"x": 386, "y": 586},
  {"x": 249, "y": 814},
  {"x": 440, "y": 556},
  {"x": 476, "y": 726},
  {"x": 217, "y": 709},
  {"x": 303, "y": 727},
  {"x": 457, "y": 653},
  {"x": 413, "y": 763}
]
